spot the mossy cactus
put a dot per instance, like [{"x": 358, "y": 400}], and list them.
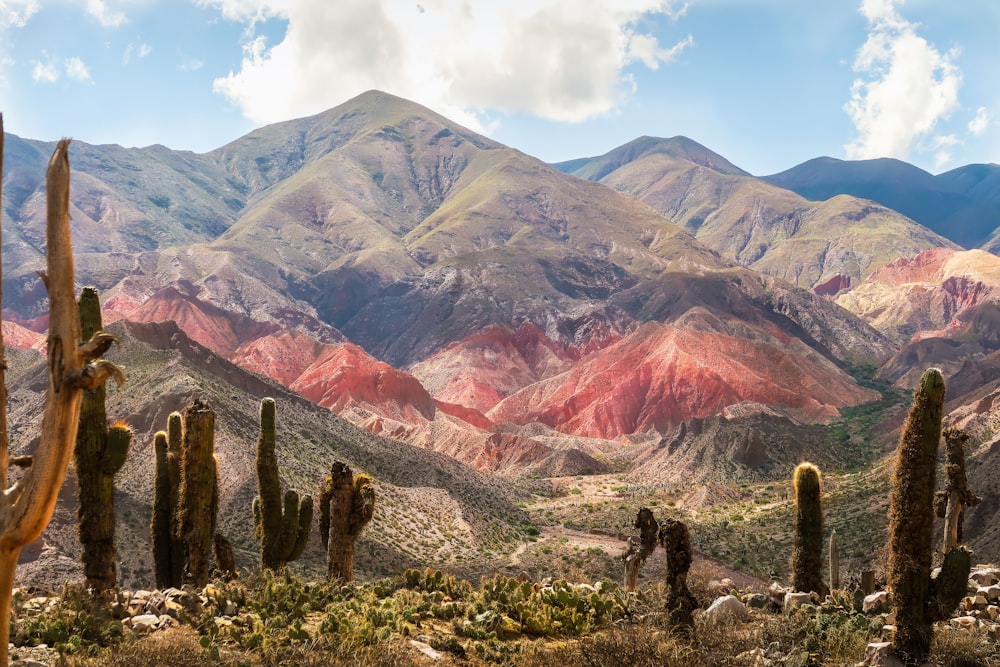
[
  {"x": 834, "y": 562},
  {"x": 99, "y": 453},
  {"x": 918, "y": 599},
  {"x": 347, "y": 503},
  {"x": 282, "y": 533},
  {"x": 807, "y": 550},
  {"x": 680, "y": 604},
  {"x": 950, "y": 503}
]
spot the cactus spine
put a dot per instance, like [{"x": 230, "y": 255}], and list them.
[
  {"x": 27, "y": 505},
  {"x": 680, "y": 605},
  {"x": 639, "y": 550},
  {"x": 918, "y": 599},
  {"x": 347, "y": 503},
  {"x": 282, "y": 533},
  {"x": 99, "y": 454},
  {"x": 807, "y": 551},
  {"x": 950, "y": 503}
]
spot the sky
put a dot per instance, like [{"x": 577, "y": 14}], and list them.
[{"x": 767, "y": 84}]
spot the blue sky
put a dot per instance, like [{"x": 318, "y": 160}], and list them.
[{"x": 766, "y": 83}]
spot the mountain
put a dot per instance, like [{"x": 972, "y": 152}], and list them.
[
  {"x": 823, "y": 245},
  {"x": 962, "y": 205},
  {"x": 464, "y": 513},
  {"x": 943, "y": 306},
  {"x": 360, "y": 253}
]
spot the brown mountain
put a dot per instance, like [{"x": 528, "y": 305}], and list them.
[
  {"x": 415, "y": 276},
  {"x": 755, "y": 223}
]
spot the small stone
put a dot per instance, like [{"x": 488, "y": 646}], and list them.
[
  {"x": 144, "y": 623},
  {"x": 964, "y": 622},
  {"x": 879, "y": 654},
  {"x": 728, "y": 607},
  {"x": 756, "y": 601},
  {"x": 777, "y": 591},
  {"x": 989, "y": 592},
  {"x": 875, "y": 603},
  {"x": 426, "y": 650},
  {"x": 985, "y": 577},
  {"x": 793, "y": 600}
]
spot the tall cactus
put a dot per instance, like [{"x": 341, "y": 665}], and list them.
[
  {"x": 185, "y": 499},
  {"x": 680, "y": 604},
  {"x": 282, "y": 533},
  {"x": 950, "y": 503},
  {"x": 347, "y": 503},
  {"x": 807, "y": 551},
  {"x": 99, "y": 454},
  {"x": 27, "y": 506},
  {"x": 919, "y": 600},
  {"x": 198, "y": 492}
]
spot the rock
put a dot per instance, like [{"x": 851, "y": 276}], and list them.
[
  {"x": 721, "y": 587},
  {"x": 144, "y": 623},
  {"x": 728, "y": 607},
  {"x": 793, "y": 600},
  {"x": 876, "y": 603},
  {"x": 756, "y": 601},
  {"x": 985, "y": 577},
  {"x": 989, "y": 592},
  {"x": 965, "y": 622},
  {"x": 879, "y": 654},
  {"x": 777, "y": 591},
  {"x": 426, "y": 650}
]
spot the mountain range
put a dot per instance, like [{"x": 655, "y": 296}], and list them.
[{"x": 448, "y": 295}]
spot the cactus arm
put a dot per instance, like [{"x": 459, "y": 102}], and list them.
[{"x": 950, "y": 585}]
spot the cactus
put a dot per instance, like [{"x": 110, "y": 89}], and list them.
[
  {"x": 807, "y": 551},
  {"x": 185, "y": 497},
  {"x": 198, "y": 492},
  {"x": 282, "y": 533},
  {"x": 27, "y": 506},
  {"x": 639, "y": 550},
  {"x": 99, "y": 454},
  {"x": 918, "y": 599},
  {"x": 680, "y": 605},
  {"x": 834, "y": 562},
  {"x": 950, "y": 503},
  {"x": 347, "y": 503}
]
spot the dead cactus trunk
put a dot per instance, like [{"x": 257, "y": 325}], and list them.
[{"x": 27, "y": 506}]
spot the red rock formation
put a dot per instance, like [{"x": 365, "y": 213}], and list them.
[
  {"x": 16, "y": 336},
  {"x": 282, "y": 356},
  {"x": 662, "y": 375},
  {"x": 491, "y": 364},
  {"x": 833, "y": 286},
  {"x": 346, "y": 374}
]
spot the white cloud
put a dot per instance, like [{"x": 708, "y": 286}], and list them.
[
  {"x": 16, "y": 13},
  {"x": 191, "y": 64},
  {"x": 564, "y": 60},
  {"x": 906, "y": 86},
  {"x": 45, "y": 72},
  {"x": 77, "y": 69},
  {"x": 107, "y": 17},
  {"x": 979, "y": 124},
  {"x": 140, "y": 50}
]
